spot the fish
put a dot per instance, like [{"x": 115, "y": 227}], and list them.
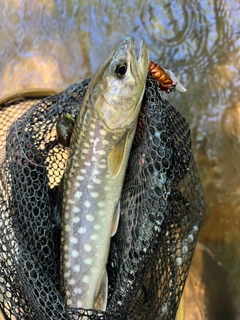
[
  {"x": 98, "y": 154},
  {"x": 168, "y": 82},
  {"x": 158, "y": 212}
]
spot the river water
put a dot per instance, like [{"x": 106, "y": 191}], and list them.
[{"x": 54, "y": 43}]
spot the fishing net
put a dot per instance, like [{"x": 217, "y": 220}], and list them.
[{"x": 161, "y": 211}]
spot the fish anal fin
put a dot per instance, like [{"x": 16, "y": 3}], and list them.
[
  {"x": 100, "y": 300},
  {"x": 115, "y": 220},
  {"x": 116, "y": 156}
]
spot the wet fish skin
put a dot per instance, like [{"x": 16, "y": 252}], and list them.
[{"x": 98, "y": 155}]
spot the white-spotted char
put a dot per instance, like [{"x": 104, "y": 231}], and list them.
[{"x": 98, "y": 155}]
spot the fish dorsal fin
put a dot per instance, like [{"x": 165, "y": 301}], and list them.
[
  {"x": 115, "y": 221},
  {"x": 117, "y": 155},
  {"x": 100, "y": 300}
]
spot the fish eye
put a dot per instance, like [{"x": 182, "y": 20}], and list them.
[{"x": 121, "y": 69}]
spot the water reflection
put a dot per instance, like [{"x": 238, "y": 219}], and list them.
[{"x": 56, "y": 43}]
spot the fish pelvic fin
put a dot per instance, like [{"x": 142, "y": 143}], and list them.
[
  {"x": 100, "y": 300},
  {"x": 115, "y": 220}
]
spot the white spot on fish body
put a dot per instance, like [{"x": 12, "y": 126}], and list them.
[
  {"x": 89, "y": 186},
  {"x": 69, "y": 302},
  {"x": 94, "y": 237},
  {"x": 96, "y": 172},
  {"x": 101, "y": 212},
  {"x": 100, "y": 204},
  {"x": 78, "y": 195},
  {"x": 74, "y": 240},
  {"x": 94, "y": 194},
  {"x": 75, "y": 253},
  {"x": 88, "y": 261},
  {"x": 76, "y": 165},
  {"x": 107, "y": 188},
  {"x": 89, "y": 217},
  {"x": 83, "y": 170},
  {"x": 67, "y": 227},
  {"x": 96, "y": 227},
  {"x": 77, "y": 184},
  {"x": 92, "y": 125},
  {"x": 86, "y": 144},
  {"x": 79, "y": 304},
  {"x": 88, "y": 164},
  {"x": 101, "y": 152},
  {"x": 102, "y": 132},
  {"x": 96, "y": 180},
  {"x": 91, "y": 133},
  {"x": 75, "y": 209},
  {"x": 77, "y": 290},
  {"x": 72, "y": 281},
  {"x": 65, "y": 247},
  {"x": 71, "y": 201},
  {"x": 67, "y": 264},
  {"x": 87, "y": 247},
  {"x": 102, "y": 166},
  {"x": 85, "y": 279},
  {"x": 87, "y": 204},
  {"x": 68, "y": 293},
  {"x": 67, "y": 216},
  {"x": 85, "y": 151},
  {"x": 80, "y": 178},
  {"x": 105, "y": 142},
  {"x": 82, "y": 230},
  {"x": 66, "y": 275},
  {"x": 76, "y": 268},
  {"x": 76, "y": 219}
]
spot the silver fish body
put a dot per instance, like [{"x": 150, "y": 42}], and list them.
[{"x": 98, "y": 155}]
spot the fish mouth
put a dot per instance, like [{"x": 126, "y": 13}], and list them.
[
  {"x": 137, "y": 55},
  {"x": 143, "y": 57},
  {"x": 142, "y": 51},
  {"x": 139, "y": 58}
]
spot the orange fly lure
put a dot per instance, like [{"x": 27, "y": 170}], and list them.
[{"x": 166, "y": 79}]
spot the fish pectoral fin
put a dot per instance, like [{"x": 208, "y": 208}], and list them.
[
  {"x": 100, "y": 301},
  {"x": 115, "y": 221},
  {"x": 117, "y": 155}
]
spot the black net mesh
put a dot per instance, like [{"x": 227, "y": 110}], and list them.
[{"x": 161, "y": 212}]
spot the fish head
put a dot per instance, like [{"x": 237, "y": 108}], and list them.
[{"x": 119, "y": 84}]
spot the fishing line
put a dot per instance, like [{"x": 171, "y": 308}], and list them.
[
  {"x": 65, "y": 149},
  {"x": 22, "y": 152}
]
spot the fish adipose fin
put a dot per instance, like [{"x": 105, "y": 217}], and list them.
[
  {"x": 100, "y": 301},
  {"x": 117, "y": 155}
]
